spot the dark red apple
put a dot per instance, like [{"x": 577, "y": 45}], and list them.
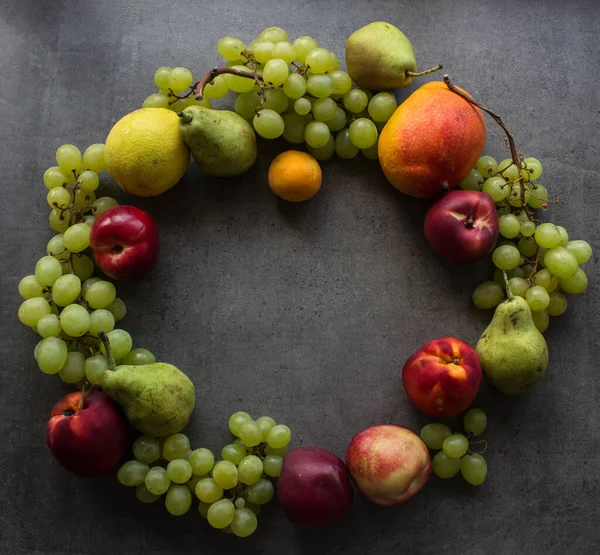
[
  {"x": 462, "y": 226},
  {"x": 314, "y": 488},
  {"x": 125, "y": 242},
  {"x": 89, "y": 441}
]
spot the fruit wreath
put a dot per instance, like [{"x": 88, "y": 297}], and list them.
[{"x": 431, "y": 146}]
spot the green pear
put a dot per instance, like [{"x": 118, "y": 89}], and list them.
[
  {"x": 158, "y": 398},
  {"x": 380, "y": 56},
  {"x": 222, "y": 142},
  {"x": 513, "y": 353}
]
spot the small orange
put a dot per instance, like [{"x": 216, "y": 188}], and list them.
[{"x": 295, "y": 176}]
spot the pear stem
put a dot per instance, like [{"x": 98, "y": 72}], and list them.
[
  {"x": 109, "y": 356},
  {"x": 508, "y": 291},
  {"x": 426, "y": 72}
]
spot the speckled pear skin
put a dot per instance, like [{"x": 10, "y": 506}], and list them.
[
  {"x": 158, "y": 399},
  {"x": 513, "y": 353},
  {"x": 222, "y": 142}
]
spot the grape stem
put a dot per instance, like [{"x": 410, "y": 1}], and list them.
[
  {"x": 422, "y": 73},
  {"x": 485, "y": 446},
  {"x": 109, "y": 356},
  {"x": 207, "y": 78},
  {"x": 535, "y": 264},
  {"x": 509, "y": 294}
]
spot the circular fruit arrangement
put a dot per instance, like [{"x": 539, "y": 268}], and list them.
[{"x": 431, "y": 146}]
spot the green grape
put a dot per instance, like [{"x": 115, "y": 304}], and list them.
[
  {"x": 146, "y": 449},
  {"x": 89, "y": 181},
  {"x": 143, "y": 495},
  {"x": 263, "y": 51},
  {"x": 537, "y": 298},
  {"x": 527, "y": 246},
  {"x": 175, "y": 446},
  {"x": 342, "y": 83},
  {"x": 47, "y": 270},
  {"x": 250, "y": 433},
  {"x": 83, "y": 266},
  {"x": 246, "y": 104},
  {"x": 355, "y": 100},
  {"x": 51, "y": 355},
  {"x": 49, "y": 326},
  {"x": 302, "y": 106},
  {"x": 95, "y": 366},
  {"x": 434, "y": 434},
  {"x": 118, "y": 309},
  {"x": 473, "y": 469},
  {"x": 100, "y": 294},
  {"x": 31, "y": 310},
  {"x": 557, "y": 305},
  {"x": 294, "y": 86},
  {"x": 157, "y": 481},
  {"x": 508, "y": 169},
  {"x": 180, "y": 79},
  {"x": 240, "y": 84},
  {"x": 527, "y": 269},
  {"x": 527, "y": 229},
  {"x": 120, "y": 343},
  {"x": 318, "y": 60},
  {"x": 179, "y": 471},
  {"x": 547, "y": 235},
  {"x": 334, "y": 63},
  {"x": 244, "y": 522},
  {"x": 203, "y": 509},
  {"x": 276, "y": 100},
  {"x": 230, "y": 48},
  {"x": 506, "y": 257},
  {"x": 475, "y": 421},
  {"x": 472, "y": 182},
  {"x": 343, "y": 145},
  {"x": 265, "y": 423},
  {"x": 279, "y": 436},
  {"x": 536, "y": 195},
  {"x": 54, "y": 177},
  {"x": 103, "y": 320},
  {"x": 87, "y": 284},
  {"x": 324, "y": 152},
  {"x": 509, "y": 226},
  {"x": 58, "y": 198},
  {"x": 560, "y": 261},
  {"x": 133, "y": 473},
  {"x": 294, "y": 127},
  {"x": 280, "y": 452},
  {"x": 234, "y": 452},
  {"x": 221, "y": 513},
  {"x": 156, "y": 100},
  {"x": 193, "y": 482},
  {"x": 235, "y": 420},
  {"x": 136, "y": 357},
  {"x": 268, "y": 124},
  {"x": 581, "y": 250},
  {"x": 275, "y": 72},
  {"x": 93, "y": 158},
  {"x": 576, "y": 284},
  {"x": 274, "y": 34},
  {"x": 103, "y": 204},
  {"x": 250, "y": 469},
  {"x": 240, "y": 503},
  {"x": 455, "y": 446},
  {"x": 30, "y": 288},
  {"x": 363, "y": 133},
  {"x": 564, "y": 236},
  {"x": 73, "y": 369},
  {"x": 546, "y": 280},
  {"x": 161, "y": 77},
  {"x": 316, "y": 134},
  {"x": 75, "y": 320},
  {"x": 302, "y": 46},
  {"x": 488, "y": 294},
  {"x": 66, "y": 289},
  {"x": 444, "y": 466},
  {"x": 382, "y": 106},
  {"x": 217, "y": 88},
  {"x": 541, "y": 319},
  {"x": 225, "y": 474},
  {"x": 178, "y": 500},
  {"x": 518, "y": 286},
  {"x": 202, "y": 461},
  {"x": 259, "y": 493},
  {"x": 338, "y": 121},
  {"x": 320, "y": 86},
  {"x": 534, "y": 168},
  {"x": 272, "y": 465},
  {"x": 82, "y": 199},
  {"x": 68, "y": 158},
  {"x": 324, "y": 109},
  {"x": 372, "y": 152},
  {"x": 284, "y": 51},
  {"x": 208, "y": 491},
  {"x": 486, "y": 166},
  {"x": 88, "y": 220},
  {"x": 59, "y": 221}
]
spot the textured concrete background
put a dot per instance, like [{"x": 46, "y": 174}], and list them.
[{"x": 306, "y": 313}]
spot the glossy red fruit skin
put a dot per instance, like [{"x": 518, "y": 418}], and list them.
[
  {"x": 125, "y": 241},
  {"x": 462, "y": 226},
  {"x": 314, "y": 488},
  {"x": 442, "y": 377},
  {"x": 89, "y": 442}
]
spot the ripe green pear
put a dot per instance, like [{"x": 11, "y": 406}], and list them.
[
  {"x": 158, "y": 398},
  {"x": 379, "y": 55},
  {"x": 513, "y": 353},
  {"x": 222, "y": 142}
]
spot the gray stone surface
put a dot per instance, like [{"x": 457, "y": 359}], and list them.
[{"x": 306, "y": 313}]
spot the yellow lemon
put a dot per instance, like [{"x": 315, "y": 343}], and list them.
[{"x": 145, "y": 153}]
